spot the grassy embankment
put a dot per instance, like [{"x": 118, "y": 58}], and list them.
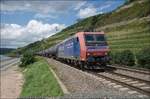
[
  {"x": 133, "y": 36},
  {"x": 39, "y": 80}
]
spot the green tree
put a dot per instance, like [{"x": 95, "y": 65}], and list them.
[
  {"x": 143, "y": 58},
  {"x": 27, "y": 59}
]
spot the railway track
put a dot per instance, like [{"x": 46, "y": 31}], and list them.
[
  {"x": 121, "y": 80},
  {"x": 141, "y": 71},
  {"x": 133, "y": 83},
  {"x": 138, "y": 85}
]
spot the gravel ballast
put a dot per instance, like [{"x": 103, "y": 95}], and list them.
[
  {"x": 133, "y": 74},
  {"x": 84, "y": 85}
]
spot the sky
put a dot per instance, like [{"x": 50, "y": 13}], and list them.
[{"x": 27, "y": 21}]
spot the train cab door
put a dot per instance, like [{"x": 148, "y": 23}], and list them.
[{"x": 76, "y": 48}]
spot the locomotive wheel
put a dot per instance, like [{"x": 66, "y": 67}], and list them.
[
  {"x": 75, "y": 63},
  {"x": 82, "y": 66},
  {"x": 103, "y": 64}
]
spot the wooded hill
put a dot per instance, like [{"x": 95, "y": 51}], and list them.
[
  {"x": 5, "y": 50},
  {"x": 127, "y": 27}
]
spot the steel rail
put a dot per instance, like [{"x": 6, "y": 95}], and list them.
[
  {"x": 146, "y": 92},
  {"x": 132, "y": 70},
  {"x": 130, "y": 77}
]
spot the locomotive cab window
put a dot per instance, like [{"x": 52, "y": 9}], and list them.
[
  {"x": 94, "y": 37},
  {"x": 76, "y": 39},
  {"x": 100, "y": 37},
  {"x": 89, "y": 37}
]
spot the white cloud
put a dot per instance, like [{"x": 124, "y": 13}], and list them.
[
  {"x": 8, "y": 31},
  {"x": 87, "y": 12},
  {"x": 79, "y": 5},
  {"x": 44, "y": 6},
  {"x": 105, "y": 6},
  {"x": 16, "y": 35},
  {"x": 86, "y": 9},
  {"x": 44, "y": 16}
]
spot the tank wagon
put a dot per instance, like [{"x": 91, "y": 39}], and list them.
[{"x": 85, "y": 49}]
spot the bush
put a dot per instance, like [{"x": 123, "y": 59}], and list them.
[
  {"x": 111, "y": 55},
  {"x": 125, "y": 57},
  {"x": 143, "y": 58},
  {"x": 27, "y": 59},
  {"x": 115, "y": 57}
]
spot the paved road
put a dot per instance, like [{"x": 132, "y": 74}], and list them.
[
  {"x": 11, "y": 79},
  {"x": 8, "y": 63}
]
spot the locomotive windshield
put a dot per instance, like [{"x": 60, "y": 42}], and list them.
[
  {"x": 95, "y": 40},
  {"x": 94, "y": 37}
]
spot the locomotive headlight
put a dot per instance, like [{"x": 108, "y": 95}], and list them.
[
  {"x": 82, "y": 59},
  {"x": 88, "y": 54},
  {"x": 106, "y": 53}
]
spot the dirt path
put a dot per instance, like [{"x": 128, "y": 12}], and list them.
[{"x": 11, "y": 83}]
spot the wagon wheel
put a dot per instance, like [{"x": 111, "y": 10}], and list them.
[{"x": 82, "y": 65}]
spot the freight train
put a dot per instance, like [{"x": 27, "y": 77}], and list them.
[{"x": 84, "y": 49}]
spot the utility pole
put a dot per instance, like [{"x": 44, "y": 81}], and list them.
[
  {"x": 44, "y": 40},
  {"x": 56, "y": 28},
  {"x": 43, "y": 43}
]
